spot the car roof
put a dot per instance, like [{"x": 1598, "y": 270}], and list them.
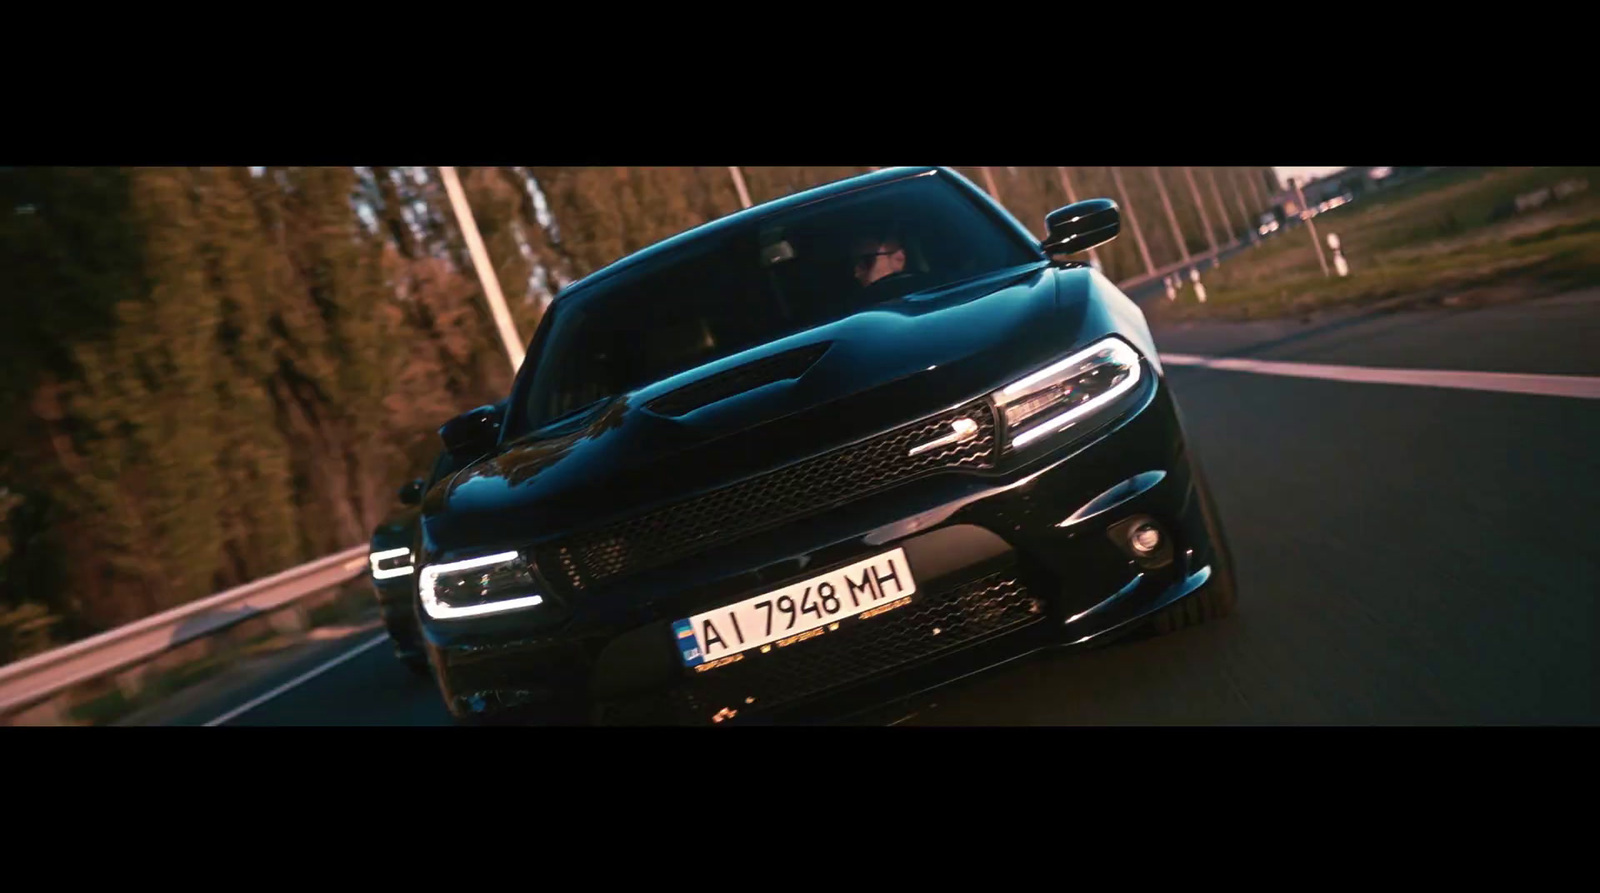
[{"x": 713, "y": 228}]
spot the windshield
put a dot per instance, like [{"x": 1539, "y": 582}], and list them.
[
  {"x": 781, "y": 274},
  {"x": 445, "y": 465}
]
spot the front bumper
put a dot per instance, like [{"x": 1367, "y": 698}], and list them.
[{"x": 1006, "y": 565}]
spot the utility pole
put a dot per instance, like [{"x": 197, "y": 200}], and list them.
[
  {"x": 1072, "y": 198},
  {"x": 1238, "y": 193},
  {"x": 1268, "y": 177},
  {"x": 1172, "y": 217},
  {"x": 1133, "y": 220},
  {"x": 1211, "y": 176},
  {"x": 1255, "y": 190},
  {"x": 738, "y": 183},
  {"x": 1301, "y": 195},
  {"x": 988, "y": 181},
  {"x": 1205, "y": 219},
  {"x": 1177, "y": 235},
  {"x": 480, "y": 262}
]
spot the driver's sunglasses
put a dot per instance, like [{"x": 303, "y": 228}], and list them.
[{"x": 865, "y": 261}]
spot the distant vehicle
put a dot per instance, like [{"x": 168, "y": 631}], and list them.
[
  {"x": 393, "y": 575},
  {"x": 1267, "y": 225},
  {"x": 812, "y": 458},
  {"x": 391, "y": 552}
]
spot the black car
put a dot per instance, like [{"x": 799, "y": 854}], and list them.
[
  {"x": 813, "y": 458},
  {"x": 390, "y": 555}
]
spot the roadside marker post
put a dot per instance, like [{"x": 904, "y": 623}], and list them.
[{"x": 1340, "y": 266}]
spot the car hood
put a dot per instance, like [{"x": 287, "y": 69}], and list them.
[{"x": 818, "y": 389}]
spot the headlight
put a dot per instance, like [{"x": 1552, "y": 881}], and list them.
[
  {"x": 1065, "y": 393},
  {"x": 476, "y": 586},
  {"x": 390, "y": 563}
]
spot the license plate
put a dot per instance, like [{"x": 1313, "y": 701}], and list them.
[{"x": 795, "y": 613}]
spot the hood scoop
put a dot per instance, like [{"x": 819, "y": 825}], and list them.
[{"x": 790, "y": 364}]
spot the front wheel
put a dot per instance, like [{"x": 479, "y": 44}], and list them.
[
  {"x": 1217, "y": 600},
  {"x": 1220, "y": 596},
  {"x": 415, "y": 661}
]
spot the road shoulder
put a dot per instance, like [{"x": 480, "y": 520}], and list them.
[{"x": 249, "y": 678}]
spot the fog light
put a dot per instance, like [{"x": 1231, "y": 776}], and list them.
[{"x": 1146, "y": 538}]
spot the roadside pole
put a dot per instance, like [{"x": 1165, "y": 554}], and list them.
[
  {"x": 1072, "y": 198},
  {"x": 1250, "y": 223},
  {"x": 486, "y": 274},
  {"x": 1177, "y": 234},
  {"x": 738, "y": 183},
  {"x": 1222, "y": 208},
  {"x": 1255, "y": 190},
  {"x": 1205, "y": 219},
  {"x": 1301, "y": 195},
  {"x": 1172, "y": 217},
  {"x": 988, "y": 182},
  {"x": 1133, "y": 220}
]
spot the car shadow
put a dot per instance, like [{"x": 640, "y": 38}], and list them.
[
  {"x": 209, "y": 622},
  {"x": 1309, "y": 332}
]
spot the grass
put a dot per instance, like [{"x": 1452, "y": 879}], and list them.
[{"x": 1445, "y": 237}]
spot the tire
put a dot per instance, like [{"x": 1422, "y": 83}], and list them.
[
  {"x": 1217, "y": 600},
  {"x": 482, "y": 721},
  {"x": 521, "y": 717},
  {"x": 416, "y": 662},
  {"x": 1220, "y": 596}
]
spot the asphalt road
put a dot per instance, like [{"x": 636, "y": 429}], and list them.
[{"x": 1406, "y": 555}]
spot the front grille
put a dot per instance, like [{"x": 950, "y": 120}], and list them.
[
  {"x": 931, "y": 625},
  {"x": 773, "y": 498}
]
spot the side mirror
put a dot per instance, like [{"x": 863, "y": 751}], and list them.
[
  {"x": 411, "y": 493},
  {"x": 1081, "y": 226},
  {"x": 473, "y": 433}
]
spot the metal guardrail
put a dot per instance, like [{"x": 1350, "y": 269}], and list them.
[
  {"x": 27, "y": 682},
  {"x": 1177, "y": 266}
]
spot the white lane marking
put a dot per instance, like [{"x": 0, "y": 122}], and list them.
[
  {"x": 303, "y": 677},
  {"x": 1581, "y": 386}
]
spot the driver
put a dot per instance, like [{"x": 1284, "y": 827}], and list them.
[{"x": 875, "y": 256}]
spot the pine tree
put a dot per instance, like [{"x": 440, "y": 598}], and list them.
[
  {"x": 143, "y": 415},
  {"x": 257, "y": 519},
  {"x": 68, "y": 260}
]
